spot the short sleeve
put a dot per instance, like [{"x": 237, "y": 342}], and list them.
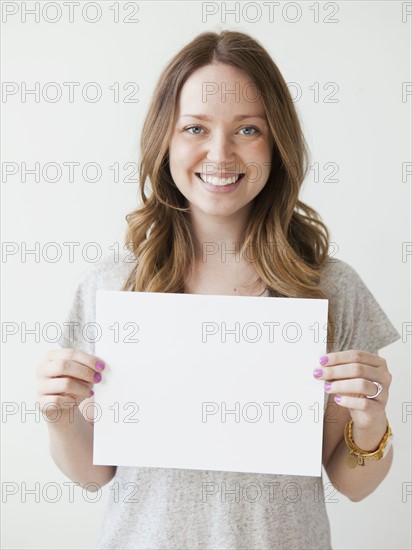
[
  {"x": 359, "y": 321},
  {"x": 80, "y": 329}
]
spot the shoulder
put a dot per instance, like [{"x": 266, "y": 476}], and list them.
[
  {"x": 343, "y": 285},
  {"x": 339, "y": 276},
  {"x": 110, "y": 273},
  {"x": 359, "y": 319},
  {"x": 346, "y": 291}
]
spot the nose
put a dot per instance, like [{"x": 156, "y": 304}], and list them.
[{"x": 220, "y": 151}]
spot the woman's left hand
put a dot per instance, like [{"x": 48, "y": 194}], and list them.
[{"x": 350, "y": 375}]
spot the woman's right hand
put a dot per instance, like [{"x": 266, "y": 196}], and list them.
[{"x": 65, "y": 378}]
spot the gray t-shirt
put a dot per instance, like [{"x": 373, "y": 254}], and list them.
[{"x": 165, "y": 508}]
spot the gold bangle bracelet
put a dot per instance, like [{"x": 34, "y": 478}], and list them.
[{"x": 358, "y": 455}]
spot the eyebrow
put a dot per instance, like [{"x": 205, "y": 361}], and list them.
[{"x": 238, "y": 117}]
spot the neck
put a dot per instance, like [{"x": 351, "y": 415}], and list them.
[{"x": 218, "y": 239}]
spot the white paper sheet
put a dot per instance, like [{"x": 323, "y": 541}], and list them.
[{"x": 178, "y": 364}]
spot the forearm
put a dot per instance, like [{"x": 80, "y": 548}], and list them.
[
  {"x": 71, "y": 447},
  {"x": 359, "y": 482}
]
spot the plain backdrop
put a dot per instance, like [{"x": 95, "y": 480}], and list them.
[{"x": 349, "y": 78}]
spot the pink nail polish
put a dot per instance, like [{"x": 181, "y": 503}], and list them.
[
  {"x": 317, "y": 373},
  {"x": 97, "y": 377},
  {"x": 328, "y": 386},
  {"x": 338, "y": 398},
  {"x": 324, "y": 360},
  {"x": 91, "y": 393},
  {"x": 100, "y": 365}
]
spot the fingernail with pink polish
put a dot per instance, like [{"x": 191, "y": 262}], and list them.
[
  {"x": 100, "y": 365},
  {"x": 328, "y": 386},
  {"x": 324, "y": 360},
  {"x": 317, "y": 373},
  {"x": 338, "y": 398},
  {"x": 91, "y": 393},
  {"x": 97, "y": 377}
]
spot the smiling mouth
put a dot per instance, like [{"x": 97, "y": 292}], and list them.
[{"x": 219, "y": 182}]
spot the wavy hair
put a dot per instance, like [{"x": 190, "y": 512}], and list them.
[{"x": 160, "y": 232}]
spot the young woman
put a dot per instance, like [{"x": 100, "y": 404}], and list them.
[{"x": 224, "y": 154}]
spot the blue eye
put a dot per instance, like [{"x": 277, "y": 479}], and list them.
[
  {"x": 255, "y": 130},
  {"x": 191, "y": 128}
]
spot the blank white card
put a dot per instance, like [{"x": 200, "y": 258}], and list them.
[{"x": 210, "y": 382}]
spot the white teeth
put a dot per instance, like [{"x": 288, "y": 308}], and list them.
[{"x": 213, "y": 180}]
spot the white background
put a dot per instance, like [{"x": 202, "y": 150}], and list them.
[{"x": 366, "y": 133}]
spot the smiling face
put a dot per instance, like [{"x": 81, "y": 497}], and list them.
[{"x": 221, "y": 148}]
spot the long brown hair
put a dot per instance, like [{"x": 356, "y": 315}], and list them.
[{"x": 284, "y": 238}]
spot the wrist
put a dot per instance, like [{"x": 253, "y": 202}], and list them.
[
  {"x": 368, "y": 439},
  {"x": 64, "y": 419}
]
